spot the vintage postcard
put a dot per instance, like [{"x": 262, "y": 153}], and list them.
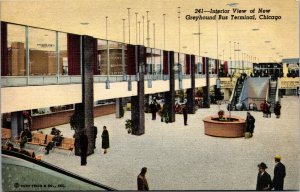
[{"x": 149, "y": 95}]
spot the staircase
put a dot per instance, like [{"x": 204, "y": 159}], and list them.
[{"x": 272, "y": 93}]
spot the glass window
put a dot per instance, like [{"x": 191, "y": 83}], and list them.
[
  {"x": 63, "y": 53},
  {"x": 176, "y": 58},
  {"x": 124, "y": 58},
  {"x": 104, "y": 102},
  {"x": 16, "y": 50},
  {"x": 102, "y": 56},
  {"x": 115, "y": 58},
  {"x": 182, "y": 61},
  {"x": 198, "y": 61},
  {"x": 210, "y": 65},
  {"x": 42, "y": 52},
  {"x": 157, "y": 61},
  {"x": 149, "y": 60}
]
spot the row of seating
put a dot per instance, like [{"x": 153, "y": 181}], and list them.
[
  {"x": 27, "y": 152},
  {"x": 44, "y": 139}
]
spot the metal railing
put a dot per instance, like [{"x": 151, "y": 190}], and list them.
[{"x": 21, "y": 81}]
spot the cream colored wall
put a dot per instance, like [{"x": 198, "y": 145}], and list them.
[
  {"x": 32, "y": 97},
  {"x": 200, "y": 82},
  {"x": 157, "y": 86},
  {"x": 117, "y": 90}
]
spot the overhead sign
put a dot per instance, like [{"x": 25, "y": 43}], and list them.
[
  {"x": 289, "y": 83},
  {"x": 227, "y": 82}
]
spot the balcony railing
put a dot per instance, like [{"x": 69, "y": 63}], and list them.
[{"x": 20, "y": 81}]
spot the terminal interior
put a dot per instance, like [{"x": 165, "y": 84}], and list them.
[{"x": 91, "y": 64}]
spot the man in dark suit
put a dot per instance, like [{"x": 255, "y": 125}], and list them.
[
  {"x": 153, "y": 110},
  {"x": 279, "y": 174},
  {"x": 142, "y": 184},
  {"x": 185, "y": 114},
  {"x": 264, "y": 182},
  {"x": 250, "y": 120},
  {"x": 83, "y": 139}
]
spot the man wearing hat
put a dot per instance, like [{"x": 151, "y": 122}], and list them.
[
  {"x": 264, "y": 182},
  {"x": 279, "y": 174}
]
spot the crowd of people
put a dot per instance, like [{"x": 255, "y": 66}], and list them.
[
  {"x": 163, "y": 111},
  {"x": 264, "y": 181},
  {"x": 266, "y": 109}
]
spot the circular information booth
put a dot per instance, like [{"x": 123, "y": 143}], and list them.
[{"x": 226, "y": 127}]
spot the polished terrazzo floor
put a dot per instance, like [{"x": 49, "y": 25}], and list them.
[{"x": 183, "y": 158}]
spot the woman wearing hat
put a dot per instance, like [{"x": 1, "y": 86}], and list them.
[{"x": 264, "y": 182}]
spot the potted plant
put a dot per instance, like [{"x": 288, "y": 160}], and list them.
[
  {"x": 128, "y": 125},
  {"x": 221, "y": 114},
  {"x": 76, "y": 123}
]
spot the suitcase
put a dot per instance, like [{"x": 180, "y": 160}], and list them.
[{"x": 247, "y": 135}]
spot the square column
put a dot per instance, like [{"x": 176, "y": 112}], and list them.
[
  {"x": 170, "y": 95},
  {"x": 17, "y": 123},
  {"x": 88, "y": 89},
  {"x": 191, "y": 92},
  {"x": 137, "y": 102},
  {"x": 206, "y": 96},
  {"x": 119, "y": 108}
]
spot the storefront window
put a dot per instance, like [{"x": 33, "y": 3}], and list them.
[
  {"x": 102, "y": 57},
  {"x": 212, "y": 66},
  {"x": 63, "y": 54},
  {"x": 42, "y": 52},
  {"x": 53, "y": 109},
  {"x": 16, "y": 50},
  {"x": 182, "y": 61},
  {"x": 115, "y": 58},
  {"x": 149, "y": 60},
  {"x": 124, "y": 58},
  {"x": 198, "y": 61},
  {"x": 176, "y": 58},
  {"x": 157, "y": 61}
]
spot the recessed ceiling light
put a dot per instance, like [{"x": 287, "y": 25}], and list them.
[
  {"x": 255, "y": 29},
  {"x": 232, "y": 4},
  {"x": 84, "y": 23}
]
